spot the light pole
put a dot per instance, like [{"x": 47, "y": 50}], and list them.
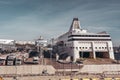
[
  {"x": 71, "y": 71},
  {"x": 15, "y": 77},
  {"x": 51, "y": 43},
  {"x": 63, "y": 69}
]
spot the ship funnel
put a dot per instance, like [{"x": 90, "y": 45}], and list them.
[{"x": 75, "y": 24}]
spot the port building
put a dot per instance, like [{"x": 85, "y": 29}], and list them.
[
  {"x": 79, "y": 43},
  {"x": 7, "y": 44}
]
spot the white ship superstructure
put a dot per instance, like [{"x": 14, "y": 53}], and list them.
[{"x": 79, "y": 43}]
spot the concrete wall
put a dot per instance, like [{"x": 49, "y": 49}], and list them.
[
  {"x": 41, "y": 78},
  {"x": 37, "y": 69},
  {"x": 26, "y": 69},
  {"x": 100, "y": 68}
]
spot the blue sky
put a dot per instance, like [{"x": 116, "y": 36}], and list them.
[{"x": 28, "y": 19}]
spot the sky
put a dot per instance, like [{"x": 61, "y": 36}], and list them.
[{"x": 29, "y": 19}]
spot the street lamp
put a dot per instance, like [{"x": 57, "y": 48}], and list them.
[
  {"x": 15, "y": 77},
  {"x": 71, "y": 72},
  {"x": 50, "y": 54},
  {"x": 63, "y": 69}
]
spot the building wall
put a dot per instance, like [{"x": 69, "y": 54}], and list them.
[
  {"x": 25, "y": 42},
  {"x": 7, "y": 41},
  {"x": 6, "y": 44}
]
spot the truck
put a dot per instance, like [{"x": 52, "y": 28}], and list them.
[
  {"x": 10, "y": 60},
  {"x": 2, "y": 61},
  {"x": 36, "y": 60},
  {"x": 18, "y": 61}
]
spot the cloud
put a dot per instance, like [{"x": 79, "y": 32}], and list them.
[
  {"x": 23, "y": 20},
  {"x": 5, "y": 2}
]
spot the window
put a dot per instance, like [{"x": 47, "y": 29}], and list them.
[
  {"x": 76, "y": 47},
  {"x": 110, "y": 48},
  {"x": 65, "y": 44},
  {"x": 90, "y": 47},
  {"x": 95, "y": 47}
]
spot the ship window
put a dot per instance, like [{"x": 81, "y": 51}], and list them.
[
  {"x": 76, "y": 47},
  {"x": 105, "y": 47},
  {"x": 102, "y": 47},
  {"x": 95, "y": 47},
  {"x": 85, "y": 47},
  {"x": 79, "y": 47},
  {"x": 65, "y": 44},
  {"x": 99, "y": 47},
  {"x": 110, "y": 47},
  {"x": 90, "y": 47}
]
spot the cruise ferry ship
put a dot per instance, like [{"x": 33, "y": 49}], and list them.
[{"x": 79, "y": 43}]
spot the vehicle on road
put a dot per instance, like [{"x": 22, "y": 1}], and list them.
[
  {"x": 10, "y": 60},
  {"x": 36, "y": 60},
  {"x": 2, "y": 61},
  {"x": 18, "y": 61}
]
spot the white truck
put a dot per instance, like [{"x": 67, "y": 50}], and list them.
[
  {"x": 36, "y": 60},
  {"x": 10, "y": 60},
  {"x": 18, "y": 61}
]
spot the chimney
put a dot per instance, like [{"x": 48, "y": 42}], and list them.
[{"x": 75, "y": 24}]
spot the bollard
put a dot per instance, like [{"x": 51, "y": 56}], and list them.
[
  {"x": 113, "y": 78},
  {"x": 90, "y": 78},
  {"x": 80, "y": 79}
]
